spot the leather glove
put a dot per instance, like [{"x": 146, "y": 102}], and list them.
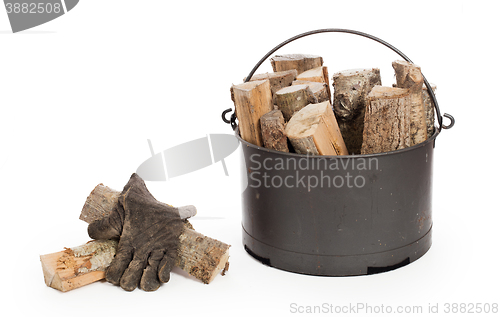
[{"x": 148, "y": 233}]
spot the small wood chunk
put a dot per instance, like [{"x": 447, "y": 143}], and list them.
[
  {"x": 291, "y": 99},
  {"x": 319, "y": 75},
  {"x": 349, "y": 102},
  {"x": 429, "y": 109},
  {"x": 387, "y": 120},
  {"x": 277, "y": 80},
  {"x": 273, "y": 131},
  {"x": 314, "y": 131},
  {"x": 252, "y": 100},
  {"x": 410, "y": 77},
  {"x": 319, "y": 89},
  {"x": 78, "y": 266},
  {"x": 300, "y": 62}
]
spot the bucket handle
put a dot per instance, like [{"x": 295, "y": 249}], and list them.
[{"x": 232, "y": 120}]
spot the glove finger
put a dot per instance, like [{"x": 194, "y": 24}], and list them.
[
  {"x": 149, "y": 280},
  {"x": 166, "y": 265},
  {"x": 121, "y": 261},
  {"x": 132, "y": 275},
  {"x": 109, "y": 227}
]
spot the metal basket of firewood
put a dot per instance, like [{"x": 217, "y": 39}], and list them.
[{"x": 339, "y": 183}]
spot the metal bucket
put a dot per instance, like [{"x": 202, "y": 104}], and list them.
[{"x": 338, "y": 215}]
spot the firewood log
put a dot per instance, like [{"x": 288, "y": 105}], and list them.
[
  {"x": 291, "y": 99},
  {"x": 273, "y": 131},
  {"x": 314, "y": 131},
  {"x": 300, "y": 62},
  {"x": 319, "y": 89},
  {"x": 387, "y": 120},
  {"x": 252, "y": 100},
  {"x": 410, "y": 77},
  {"x": 349, "y": 102},
  {"x": 318, "y": 74}
]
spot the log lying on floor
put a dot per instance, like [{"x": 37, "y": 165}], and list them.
[
  {"x": 252, "y": 100},
  {"x": 78, "y": 266},
  {"x": 429, "y": 109},
  {"x": 410, "y": 77},
  {"x": 319, "y": 89},
  {"x": 319, "y": 75},
  {"x": 300, "y": 62},
  {"x": 277, "y": 80},
  {"x": 273, "y": 131},
  {"x": 291, "y": 99},
  {"x": 314, "y": 131},
  {"x": 200, "y": 256},
  {"x": 349, "y": 102},
  {"x": 387, "y": 120}
]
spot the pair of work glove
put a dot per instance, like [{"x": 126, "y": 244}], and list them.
[{"x": 148, "y": 233}]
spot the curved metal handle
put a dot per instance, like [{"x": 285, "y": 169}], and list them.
[{"x": 371, "y": 37}]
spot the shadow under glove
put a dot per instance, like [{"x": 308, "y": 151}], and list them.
[{"x": 149, "y": 233}]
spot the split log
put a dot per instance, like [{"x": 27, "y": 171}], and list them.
[
  {"x": 300, "y": 62},
  {"x": 319, "y": 89},
  {"x": 314, "y": 131},
  {"x": 349, "y": 102},
  {"x": 252, "y": 100},
  {"x": 387, "y": 120},
  {"x": 273, "y": 131},
  {"x": 410, "y": 77},
  {"x": 78, "y": 266},
  {"x": 429, "y": 109},
  {"x": 319, "y": 75},
  {"x": 277, "y": 80},
  {"x": 291, "y": 99}
]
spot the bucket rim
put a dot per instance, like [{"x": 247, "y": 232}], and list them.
[{"x": 350, "y": 156}]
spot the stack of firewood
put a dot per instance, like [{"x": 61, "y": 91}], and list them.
[{"x": 291, "y": 109}]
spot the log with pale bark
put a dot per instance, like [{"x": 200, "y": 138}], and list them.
[
  {"x": 291, "y": 99},
  {"x": 277, "y": 80},
  {"x": 349, "y": 102},
  {"x": 314, "y": 131},
  {"x": 319, "y": 89},
  {"x": 387, "y": 120},
  {"x": 429, "y": 109},
  {"x": 319, "y": 75},
  {"x": 252, "y": 100},
  {"x": 300, "y": 62},
  {"x": 200, "y": 256},
  {"x": 409, "y": 76},
  {"x": 273, "y": 131}
]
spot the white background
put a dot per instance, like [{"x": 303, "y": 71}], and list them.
[{"x": 80, "y": 96}]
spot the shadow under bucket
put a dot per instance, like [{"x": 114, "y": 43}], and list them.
[{"x": 338, "y": 215}]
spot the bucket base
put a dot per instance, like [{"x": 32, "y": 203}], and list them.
[{"x": 333, "y": 265}]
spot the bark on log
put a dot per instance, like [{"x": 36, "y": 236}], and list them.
[
  {"x": 429, "y": 109},
  {"x": 201, "y": 260},
  {"x": 273, "y": 131},
  {"x": 387, "y": 120},
  {"x": 300, "y": 62},
  {"x": 410, "y": 77},
  {"x": 319, "y": 75},
  {"x": 252, "y": 100},
  {"x": 314, "y": 131},
  {"x": 319, "y": 89},
  {"x": 277, "y": 80},
  {"x": 291, "y": 99},
  {"x": 349, "y": 102},
  {"x": 78, "y": 266}
]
